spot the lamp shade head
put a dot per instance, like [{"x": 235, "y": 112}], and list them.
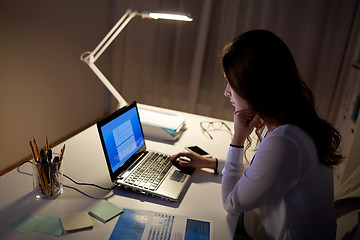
[{"x": 179, "y": 16}]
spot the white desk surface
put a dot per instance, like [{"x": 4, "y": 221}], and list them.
[{"x": 84, "y": 161}]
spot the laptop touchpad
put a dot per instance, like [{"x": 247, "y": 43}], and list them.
[{"x": 178, "y": 176}]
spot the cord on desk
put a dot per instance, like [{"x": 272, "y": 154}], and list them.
[
  {"x": 89, "y": 184},
  {"x": 87, "y": 195},
  {"x": 84, "y": 184},
  {"x": 18, "y": 168}
]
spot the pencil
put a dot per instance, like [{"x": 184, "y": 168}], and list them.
[
  {"x": 32, "y": 151},
  {"x": 46, "y": 183},
  {"x": 36, "y": 147},
  {"x": 62, "y": 153},
  {"x": 61, "y": 157},
  {"x": 41, "y": 177},
  {"x": 46, "y": 144},
  {"x": 43, "y": 187}
]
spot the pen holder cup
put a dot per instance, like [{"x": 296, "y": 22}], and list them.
[{"x": 47, "y": 179}]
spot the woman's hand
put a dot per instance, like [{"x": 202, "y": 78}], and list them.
[
  {"x": 244, "y": 123},
  {"x": 195, "y": 160}
]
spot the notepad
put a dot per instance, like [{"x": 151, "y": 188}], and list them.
[
  {"x": 105, "y": 211},
  {"x": 26, "y": 224},
  {"x": 76, "y": 221},
  {"x": 50, "y": 225}
]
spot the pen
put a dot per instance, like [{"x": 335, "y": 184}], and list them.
[
  {"x": 49, "y": 155},
  {"x": 42, "y": 156},
  {"x": 56, "y": 159}
]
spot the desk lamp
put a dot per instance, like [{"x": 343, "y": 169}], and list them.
[{"x": 90, "y": 57}]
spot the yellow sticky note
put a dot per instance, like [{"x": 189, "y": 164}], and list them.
[{"x": 76, "y": 221}]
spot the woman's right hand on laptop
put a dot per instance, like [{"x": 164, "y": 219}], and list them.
[{"x": 193, "y": 160}]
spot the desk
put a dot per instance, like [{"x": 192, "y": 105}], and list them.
[{"x": 84, "y": 161}]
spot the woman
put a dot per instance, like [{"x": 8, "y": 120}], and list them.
[{"x": 290, "y": 178}]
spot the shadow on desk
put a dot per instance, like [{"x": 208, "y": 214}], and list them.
[
  {"x": 125, "y": 193},
  {"x": 204, "y": 176},
  {"x": 25, "y": 204},
  {"x": 198, "y": 177}
]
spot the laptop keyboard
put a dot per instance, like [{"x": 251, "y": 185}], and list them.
[{"x": 151, "y": 172}]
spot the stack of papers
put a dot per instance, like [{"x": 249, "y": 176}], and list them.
[{"x": 161, "y": 125}]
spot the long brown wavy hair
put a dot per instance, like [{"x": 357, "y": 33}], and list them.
[{"x": 261, "y": 69}]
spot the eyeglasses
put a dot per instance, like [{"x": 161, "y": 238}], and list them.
[{"x": 214, "y": 126}]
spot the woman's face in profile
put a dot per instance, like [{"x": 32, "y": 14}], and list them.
[{"x": 238, "y": 102}]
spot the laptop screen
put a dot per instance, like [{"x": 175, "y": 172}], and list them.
[{"x": 121, "y": 136}]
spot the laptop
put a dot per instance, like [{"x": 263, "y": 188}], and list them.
[{"x": 129, "y": 162}]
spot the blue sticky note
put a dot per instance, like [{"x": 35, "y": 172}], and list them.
[
  {"x": 26, "y": 224},
  {"x": 51, "y": 225}
]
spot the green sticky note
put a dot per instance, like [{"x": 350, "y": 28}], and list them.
[
  {"x": 26, "y": 224},
  {"x": 51, "y": 225},
  {"x": 105, "y": 211}
]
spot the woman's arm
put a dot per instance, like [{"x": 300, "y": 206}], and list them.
[{"x": 275, "y": 169}]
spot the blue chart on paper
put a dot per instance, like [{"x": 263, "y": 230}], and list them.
[
  {"x": 131, "y": 225},
  {"x": 196, "y": 229},
  {"x": 158, "y": 226}
]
